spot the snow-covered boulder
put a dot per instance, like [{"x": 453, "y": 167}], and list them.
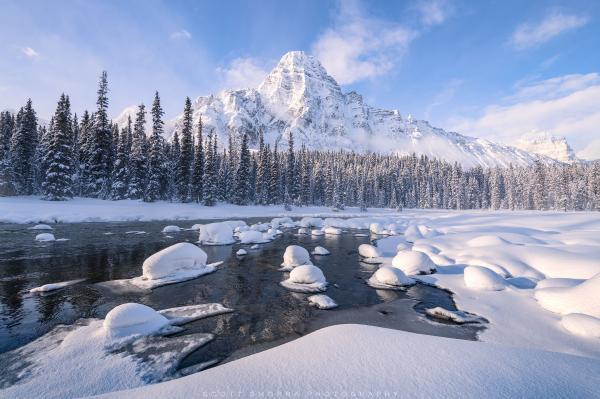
[
  {"x": 255, "y": 246},
  {"x": 369, "y": 251},
  {"x": 295, "y": 255},
  {"x": 487, "y": 241},
  {"x": 332, "y": 230},
  {"x": 54, "y": 286},
  {"x": 457, "y": 316},
  {"x": 412, "y": 233},
  {"x": 282, "y": 222},
  {"x": 133, "y": 320},
  {"x": 236, "y": 224},
  {"x": 582, "y": 324},
  {"x": 482, "y": 278},
  {"x": 316, "y": 232},
  {"x": 376, "y": 228},
  {"x": 306, "y": 278},
  {"x": 413, "y": 262},
  {"x": 171, "y": 260},
  {"x": 220, "y": 233},
  {"x": 311, "y": 222},
  {"x": 252, "y": 237},
  {"x": 241, "y": 252},
  {"x": 41, "y": 227},
  {"x": 45, "y": 237},
  {"x": 583, "y": 298},
  {"x": 262, "y": 227},
  {"x": 321, "y": 251},
  {"x": 303, "y": 230},
  {"x": 389, "y": 278},
  {"x": 196, "y": 226},
  {"x": 171, "y": 229},
  {"x": 322, "y": 301}
]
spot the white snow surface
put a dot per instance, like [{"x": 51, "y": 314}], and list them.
[
  {"x": 55, "y": 286},
  {"x": 254, "y": 237},
  {"x": 131, "y": 320},
  {"x": 179, "y": 257},
  {"x": 320, "y": 251},
  {"x": 346, "y": 359},
  {"x": 306, "y": 278},
  {"x": 45, "y": 237},
  {"x": 220, "y": 233},
  {"x": 482, "y": 278},
  {"x": 295, "y": 255},
  {"x": 389, "y": 278},
  {"x": 582, "y": 324},
  {"x": 582, "y": 298},
  {"x": 332, "y": 230},
  {"x": 171, "y": 229},
  {"x": 413, "y": 262},
  {"x": 322, "y": 301},
  {"x": 369, "y": 251}
]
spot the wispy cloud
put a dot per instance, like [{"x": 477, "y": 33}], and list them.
[
  {"x": 444, "y": 96},
  {"x": 358, "y": 46},
  {"x": 29, "y": 52},
  {"x": 555, "y": 23},
  {"x": 181, "y": 35},
  {"x": 243, "y": 73},
  {"x": 566, "y": 105},
  {"x": 434, "y": 12}
]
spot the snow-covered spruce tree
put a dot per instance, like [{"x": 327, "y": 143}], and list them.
[
  {"x": 242, "y": 176},
  {"x": 275, "y": 177},
  {"x": 198, "y": 166},
  {"x": 7, "y": 187},
  {"x": 186, "y": 157},
  {"x": 23, "y": 144},
  {"x": 100, "y": 151},
  {"x": 121, "y": 169},
  {"x": 290, "y": 177},
  {"x": 261, "y": 172},
  {"x": 209, "y": 193},
  {"x": 58, "y": 165},
  {"x": 154, "y": 189},
  {"x": 138, "y": 161}
]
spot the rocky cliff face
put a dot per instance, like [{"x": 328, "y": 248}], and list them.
[{"x": 543, "y": 143}]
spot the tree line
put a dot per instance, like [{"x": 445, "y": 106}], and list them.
[{"x": 93, "y": 157}]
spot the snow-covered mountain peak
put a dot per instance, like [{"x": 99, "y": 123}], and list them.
[
  {"x": 298, "y": 96},
  {"x": 544, "y": 143}
]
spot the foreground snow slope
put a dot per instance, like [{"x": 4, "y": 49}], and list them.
[
  {"x": 33, "y": 209},
  {"x": 352, "y": 358}
]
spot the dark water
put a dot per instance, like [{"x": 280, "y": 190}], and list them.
[{"x": 265, "y": 314}]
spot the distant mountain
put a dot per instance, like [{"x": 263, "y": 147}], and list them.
[
  {"x": 300, "y": 97},
  {"x": 543, "y": 143}
]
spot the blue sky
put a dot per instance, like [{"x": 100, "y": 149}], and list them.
[{"x": 493, "y": 69}]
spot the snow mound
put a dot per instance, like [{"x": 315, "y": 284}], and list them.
[
  {"x": 413, "y": 262},
  {"x": 220, "y": 233},
  {"x": 45, "y": 237},
  {"x": 41, "y": 227},
  {"x": 369, "y": 251},
  {"x": 376, "y": 228},
  {"x": 133, "y": 320},
  {"x": 306, "y": 278},
  {"x": 583, "y": 298},
  {"x": 456, "y": 316},
  {"x": 332, "y": 230},
  {"x": 582, "y": 324},
  {"x": 54, "y": 286},
  {"x": 487, "y": 241},
  {"x": 282, "y": 222},
  {"x": 241, "y": 252},
  {"x": 196, "y": 226},
  {"x": 171, "y": 260},
  {"x": 320, "y": 251},
  {"x": 253, "y": 237},
  {"x": 171, "y": 229},
  {"x": 255, "y": 246},
  {"x": 303, "y": 230},
  {"x": 322, "y": 301},
  {"x": 482, "y": 278},
  {"x": 389, "y": 278},
  {"x": 295, "y": 255},
  {"x": 316, "y": 232},
  {"x": 311, "y": 222},
  {"x": 558, "y": 282}
]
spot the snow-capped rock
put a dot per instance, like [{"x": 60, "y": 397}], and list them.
[
  {"x": 413, "y": 262},
  {"x": 298, "y": 96},
  {"x": 482, "y": 278},
  {"x": 321, "y": 251},
  {"x": 389, "y": 278},
  {"x": 322, "y": 301},
  {"x": 171, "y": 229},
  {"x": 177, "y": 258},
  {"x": 306, "y": 278},
  {"x": 293, "y": 256},
  {"x": 45, "y": 237},
  {"x": 369, "y": 251},
  {"x": 220, "y": 233},
  {"x": 133, "y": 319}
]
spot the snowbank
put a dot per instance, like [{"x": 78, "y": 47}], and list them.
[
  {"x": 482, "y": 278},
  {"x": 322, "y": 301},
  {"x": 54, "y": 286},
  {"x": 320, "y": 251},
  {"x": 582, "y": 324},
  {"x": 413, "y": 262},
  {"x": 358, "y": 358},
  {"x": 583, "y": 298},
  {"x": 293, "y": 256},
  {"x": 220, "y": 233},
  {"x": 132, "y": 320},
  {"x": 306, "y": 278},
  {"x": 45, "y": 237},
  {"x": 389, "y": 278}
]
